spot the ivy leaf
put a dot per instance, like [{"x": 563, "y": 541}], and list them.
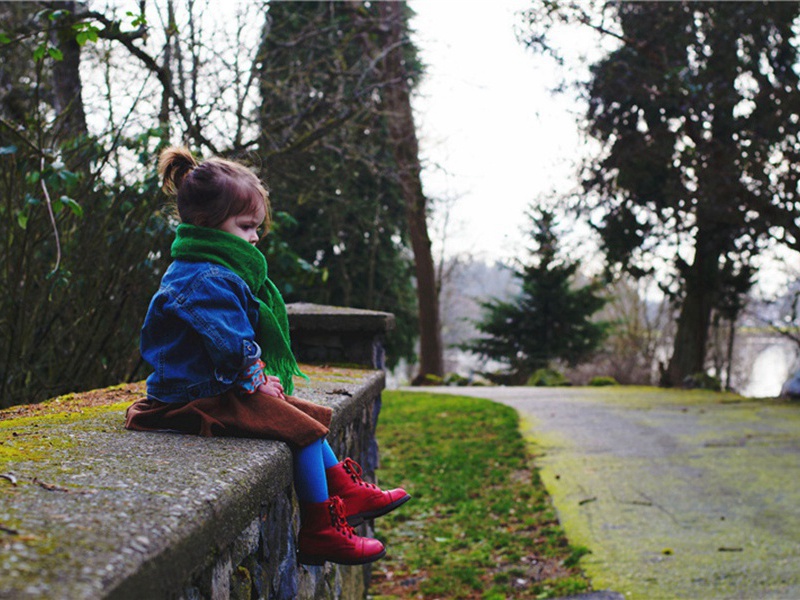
[
  {"x": 86, "y": 32},
  {"x": 69, "y": 178},
  {"x": 137, "y": 20},
  {"x": 72, "y": 205}
]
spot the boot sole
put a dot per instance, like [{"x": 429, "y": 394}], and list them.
[
  {"x": 356, "y": 520},
  {"x": 318, "y": 561}
]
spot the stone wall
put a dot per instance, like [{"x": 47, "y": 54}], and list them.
[
  {"x": 330, "y": 334},
  {"x": 90, "y": 510}
]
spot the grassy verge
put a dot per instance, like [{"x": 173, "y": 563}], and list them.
[{"x": 480, "y": 524}]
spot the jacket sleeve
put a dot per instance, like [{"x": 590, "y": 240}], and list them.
[
  {"x": 215, "y": 306},
  {"x": 251, "y": 378}
]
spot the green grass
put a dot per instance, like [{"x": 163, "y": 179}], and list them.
[{"x": 480, "y": 524}]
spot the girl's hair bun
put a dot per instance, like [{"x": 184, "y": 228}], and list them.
[{"x": 174, "y": 165}]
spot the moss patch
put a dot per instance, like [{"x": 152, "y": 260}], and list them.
[
  {"x": 70, "y": 406},
  {"x": 26, "y": 432},
  {"x": 677, "y": 494}
]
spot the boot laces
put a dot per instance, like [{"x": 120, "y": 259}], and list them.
[
  {"x": 338, "y": 517},
  {"x": 354, "y": 470}
]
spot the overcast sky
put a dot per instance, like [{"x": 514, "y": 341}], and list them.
[{"x": 493, "y": 138}]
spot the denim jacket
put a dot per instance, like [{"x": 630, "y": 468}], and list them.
[{"x": 199, "y": 332}]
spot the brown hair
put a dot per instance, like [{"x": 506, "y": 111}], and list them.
[{"x": 210, "y": 191}]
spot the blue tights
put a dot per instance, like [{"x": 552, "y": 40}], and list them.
[{"x": 310, "y": 463}]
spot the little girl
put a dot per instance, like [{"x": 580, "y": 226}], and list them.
[{"x": 217, "y": 337}]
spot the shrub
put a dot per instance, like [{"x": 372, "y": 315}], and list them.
[
  {"x": 702, "y": 381},
  {"x": 602, "y": 380},
  {"x": 548, "y": 378},
  {"x": 454, "y": 379}
]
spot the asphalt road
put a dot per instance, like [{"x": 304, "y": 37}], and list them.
[{"x": 676, "y": 494}]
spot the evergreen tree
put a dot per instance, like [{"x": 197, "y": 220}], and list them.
[
  {"x": 550, "y": 318},
  {"x": 330, "y": 164}
]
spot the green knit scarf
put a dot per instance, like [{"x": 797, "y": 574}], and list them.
[{"x": 204, "y": 244}]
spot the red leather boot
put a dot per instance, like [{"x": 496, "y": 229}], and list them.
[
  {"x": 326, "y": 536},
  {"x": 362, "y": 500}
]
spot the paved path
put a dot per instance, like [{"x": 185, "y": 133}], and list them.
[{"x": 677, "y": 495}]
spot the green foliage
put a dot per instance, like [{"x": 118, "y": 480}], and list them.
[
  {"x": 550, "y": 318},
  {"x": 602, "y": 380},
  {"x": 85, "y": 32},
  {"x": 547, "y": 378},
  {"x": 290, "y": 270},
  {"x": 480, "y": 518},
  {"x": 76, "y": 327}
]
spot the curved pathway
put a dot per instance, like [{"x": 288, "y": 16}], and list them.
[{"x": 677, "y": 494}]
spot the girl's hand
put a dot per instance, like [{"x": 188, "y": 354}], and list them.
[{"x": 273, "y": 387}]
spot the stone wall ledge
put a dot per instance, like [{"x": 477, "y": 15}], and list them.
[
  {"x": 91, "y": 510},
  {"x": 339, "y": 335},
  {"x": 320, "y": 317}
]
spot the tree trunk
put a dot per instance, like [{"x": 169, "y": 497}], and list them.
[
  {"x": 731, "y": 346},
  {"x": 67, "y": 88},
  {"x": 396, "y": 97},
  {"x": 691, "y": 338}
]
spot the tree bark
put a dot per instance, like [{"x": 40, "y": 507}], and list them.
[
  {"x": 67, "y": 88},
  {"x": 402, "y": 132},
  {"x": 691, "y": 338}
]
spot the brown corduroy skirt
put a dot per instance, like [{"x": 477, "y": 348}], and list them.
[{"x": 292, "y": 420}]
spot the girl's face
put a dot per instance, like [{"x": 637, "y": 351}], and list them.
[{"x": 246, "y": 225}]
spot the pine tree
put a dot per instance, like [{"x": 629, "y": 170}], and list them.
[{"x": 549, "y": 319}]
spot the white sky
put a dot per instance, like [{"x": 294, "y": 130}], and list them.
[{"x": 493, "y": 138}]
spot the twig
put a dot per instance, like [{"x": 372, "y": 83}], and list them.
[
  {"x": 52, "y": 218},
  {"x": 13, "y": 129},
  {"x": 50, "y": 487},
  {"x": 9, "y": 477}
]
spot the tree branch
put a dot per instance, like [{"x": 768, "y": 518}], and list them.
[{"x": 111, "y": 32}]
